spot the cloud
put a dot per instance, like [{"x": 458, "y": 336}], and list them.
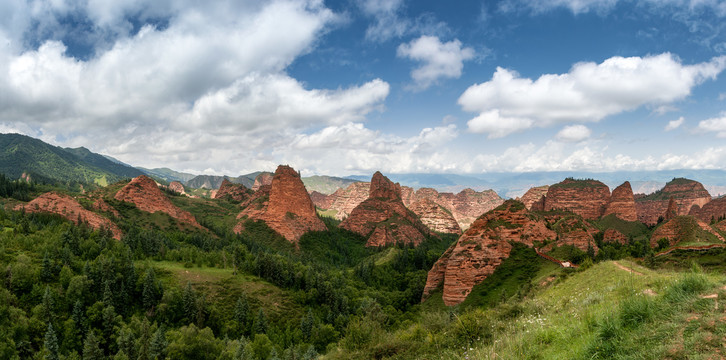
[
  {"x": 589, "y": 92},
  {"x": 714, "y": 125},
  {"x": 717, "y": 7},
  {"x": 439, "y": 60},
  {"x": 203, "y": 86},
  {"x": 573, "y": 133},
  {"x": 674, "y": 124},
  {"x": 387, "y": 22}
]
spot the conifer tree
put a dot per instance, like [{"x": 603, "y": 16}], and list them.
[
  {"x": 261, "y": 322},
  {"x": 51, "y": 344},
  {"x": 157, "y": 348},
  {"x": 242, "y": 313},
  {"x": 306, "y": 325},
  {"x": 46, "y": 270},
  {"x": 91, "y": 349},
  {"x": 189, "y": 303}
]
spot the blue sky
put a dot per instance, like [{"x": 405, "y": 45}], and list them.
[{"x": 350, "y": 87}]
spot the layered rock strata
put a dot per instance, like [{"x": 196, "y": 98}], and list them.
[
  {"x": 143, "y": 192},
  {"x": 622, "y": 203},
  {"x": 586, "y": 198},
  {"x": 533, "y": 199},
  {"x": 435, "y": 216},
  {"x": 70, "y": 209},
  {"x": 685, "y": 192},
  {"x": 231, "y": 191}
]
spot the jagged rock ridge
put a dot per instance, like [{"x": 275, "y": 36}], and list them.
[{"x": 143, "y": 192}]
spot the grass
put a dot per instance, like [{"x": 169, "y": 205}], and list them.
[
  {"x": 603, "y": 312},
  {"x": 223, "y": 288},
  {"x": 627, "y": 228}
]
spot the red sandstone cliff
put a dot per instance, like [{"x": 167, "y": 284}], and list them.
[
  {"x": 143, "y": 192},
  {"x": 262, "y": 179},
  {"x": 712, "y": 210},
  {"x": 435, "y": 216},
  {"x": 533, "y": 199},
  {"x": 383, "y": 218},
  {"x": 288, "y": 208},
  {"x": 465, "y": 206},
  {"x": 612, "y": 235},
  {"x": 231, "y": 191},
  {"x": 684, "y": 229},
  {"x": 482, "y": 248},
  {"x": 177, "y": 187},
  {"x": 70, "y": 209},
  {"x": 586, "y": 198},
  {"x": 321, "y": 200},
  {"x": 686, "y": 194},
  {"x": 345, "y": 200},
  {"x": 622, "y": 203}
]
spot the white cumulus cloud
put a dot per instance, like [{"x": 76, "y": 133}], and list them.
[
  {"x": 715, "y": 125},
  {"x": 587, "y": 93},
  {"x": 573, "y": 133},
  {"x": 438, "y": 60},
  {"x": 674, "y": 124}
]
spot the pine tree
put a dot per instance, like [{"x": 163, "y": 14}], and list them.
[
  {"x": 126, "y": 343},
  {"x": 150, "y": 293},
  {"x": 91, "y": 349},
  {"x": 157, "y": 348},
  {"x": 242, "y": 313},
  {"x": 48, "y": 305},
  {"x": 143, "y": 344},
  {"x": 189, "y": 303},
  {"x": 51, "y": 344},
  {"x": 306, "y": 325},
  {"x": 273, "y": 355},
  {"x": 46, "y": 270},
  {"x": 107, "y": 294},
  {"x": 78, "y": 315},
  {"x": 261, "y": 322},
  {"x": 243, "y": 352}
]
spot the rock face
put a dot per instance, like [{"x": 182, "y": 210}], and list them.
[
  {"x": 533, "y": 199},
  {"x": 574, "y": 231},
  {"x": 435, "y": 216},
  {"x": 672, "y": 210},
  {"x": 288, "y": 208},
  {"x": 685, "y": 192},
  {"x": 612, "y": 235},
  {"x": 70, "y": 209},
  {"x": 684, "y": 229},
  {"x": 482, "y": 248},
  {"x": 231, "y": 191},
  {"x": 321, "y": 200},
  {"x": 261, "y": 180},
  {"x": 143, "y": 192},
  {"x": 177, "y": 187},
  {"x": 465, "y": 206},
  {"x": 713, "y": 210},
  {"x": 383, "y": 218},
  {"x": 586, "y": 198},
  {"x": 622, "y": 203},
  {"x": 345, "y": 200}
]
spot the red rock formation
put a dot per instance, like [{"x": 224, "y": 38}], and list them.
[
  {"x": 143, "y": 192},
  {"x": 321, "y": 200},
  {"x": 686, "y": 194},
  {"x": 713, "y": 210},
  {"x": 177, "y": 187},
  {"x": 586, "y": 198},
  {"x": 672, "y": 210},
  {"x": 465, "y": 206},
  {"x": 684, "y": 229},
  {"x": 102, "y": 205},
  {"x": 383, "y": 218},
  {"x": 289, "y": 210},
  {"x": 622, "y": 203},
  {"x": 345, "y": 200},
  {"x": 231, "y": 191},
  {"x": 574, "y": 231},
  {"x": 482, "y": 249},
  {"x": 612, "y": 235},
  {"x": 435, "y": 216},
  {"x": 70, "y": 209},
  {"x": 261, "y": 180},
  {"x": 533, "y": 198}
]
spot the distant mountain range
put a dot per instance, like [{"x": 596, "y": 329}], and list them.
[{"x": 44, "y": 162}]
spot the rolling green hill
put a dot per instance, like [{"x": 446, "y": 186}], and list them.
[{"x": 47, "y": 163}]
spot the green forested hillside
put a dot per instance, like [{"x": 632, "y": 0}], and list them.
[{"x": 47, "y": 163}]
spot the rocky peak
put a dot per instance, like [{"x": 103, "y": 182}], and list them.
[
  {"x": 143, "y": 192},
  {"x": 177, "y": 187},
  {"x": 261, "y": 180},
  {"x": 381, "y": 187},
  {"x": 70, "y": 209},
  {"x": 231, "y": 191},
  {"x": 482, "y": 248},
  {"x": 533, "y": 198},
  {"x": 672, "y": 210},
  {"x": 435, "y": 216},
  {"x": 686, "y": 193},
  {"x": 622, "y": 203},
  {"x": 289, "y": 210},
  {"x": 586, "y": 198},
  {"x": 383, "y": 218}
]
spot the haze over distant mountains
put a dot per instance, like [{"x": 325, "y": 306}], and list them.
[{"x": 23, "y": 154}]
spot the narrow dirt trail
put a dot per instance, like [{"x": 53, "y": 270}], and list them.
[{"x": 627, "y": 269}]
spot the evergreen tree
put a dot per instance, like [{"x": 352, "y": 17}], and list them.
[
  {"x": 107, "y": 294},
  {"x": 78, "y": 315},
  {"x": 261, "y": 322},
  {"x": 46, "y": 271},
  {"x": 189, "y": 303},
  {"x": 157, "y": 348},
  {"x": 243, "y": 350},
  {"x": 150, "y": 292},
  {"x": 143, "y": 344},
  {"x": 242, "y": 313},
  {"x": 273, "y": 355},
  {"x": 306, "y": 325},
  {"x": 126, "y": 343},
  {"x": 51, "y": 344},
  {"x": 91, "y": 349},
  {"x": 48, "y": 305}
]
